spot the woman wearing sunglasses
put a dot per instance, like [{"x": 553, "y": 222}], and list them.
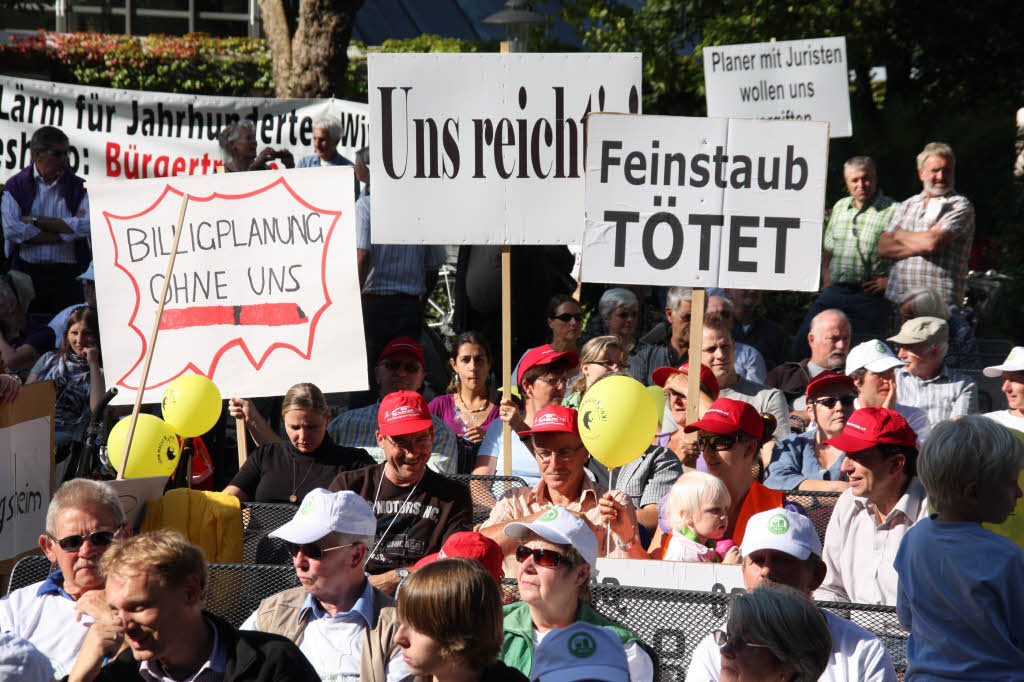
[
  {"x": 803, "y": 461},
  {"x": 774, "y": 633},
  {"x": 675, "y": 382},
  {"x": 555, "y": 559},
  {"x": 600, "y": 355},
  {"x": 565, "y": 319}
]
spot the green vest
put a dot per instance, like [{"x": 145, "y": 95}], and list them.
[{"x": 517, "y": 649}]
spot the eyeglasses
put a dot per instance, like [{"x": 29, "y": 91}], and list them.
[
  {"x": 419, "y": 445},
  {"x": 720, "y": 442},
  {"x": 565, "y": 317},
  {"x": 312, "y": 550},
  {"x": 548, "y": 558},
  {"x": 613, "y": 366},
  {"x": 830, "y": 402},
  {"x": 563, "y": 455},
  {"x": 394, "y": 366},
  {"x": 670, "y": 394},
  {"x": 737, "y": 642},
  {"x": 553, "y": 381},
  {"x": 99, "y": 538}
]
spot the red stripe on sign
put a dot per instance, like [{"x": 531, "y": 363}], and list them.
[{"x": 262, "y": 314}]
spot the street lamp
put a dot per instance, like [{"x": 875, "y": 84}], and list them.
[{"x": 517, "y": 17}]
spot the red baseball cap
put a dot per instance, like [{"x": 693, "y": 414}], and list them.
[
  {"x": 707, "y": 377},
  {"x": 869, "y": 426},
  {"x": 403, "y": 412},
  {"x": 828, "y": 379},
  {"x": 403, "y": 344},
  {"x": 554, "y": 419},
  {"x": 542, "y": 355},
  {"x": 729, "y": 416},
  {"x": 469, "y": 545}
]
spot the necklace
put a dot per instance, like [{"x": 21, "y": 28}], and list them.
[
  {"x": 393, "y": 518},
  {"x": 293, "y": 498},
  {"x": 472, "y": 413}
]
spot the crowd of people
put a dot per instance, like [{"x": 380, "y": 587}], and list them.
[{"x": 396, "y": 580}]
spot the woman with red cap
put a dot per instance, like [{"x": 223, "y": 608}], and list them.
[
  {"x": 730, "y": 435},
  {"x": 676, "y": 384}
]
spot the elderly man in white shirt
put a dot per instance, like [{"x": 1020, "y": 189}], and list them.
[
  {"x": 925, "y": 381},
  {"x": 781, "y": 546},
  {"x": 55, "y": 614},
  {"x": 343, "y": 625},
  {"x": 870, "y": 519}
]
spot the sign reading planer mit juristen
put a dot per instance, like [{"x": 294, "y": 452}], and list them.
[{"x": 704, "y": 202}]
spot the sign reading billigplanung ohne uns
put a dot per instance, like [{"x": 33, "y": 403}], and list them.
[
  {"x": 704, "y": 202},
  {"x": 264, "y": 292},
  {"x": 487, "y": 148},
  {"x": 805, "y": 80}
]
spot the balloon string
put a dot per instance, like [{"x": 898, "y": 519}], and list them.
[{"x": 608, "y": 535}]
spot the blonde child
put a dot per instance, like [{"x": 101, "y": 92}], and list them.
[{"x": 699, "y": 515}]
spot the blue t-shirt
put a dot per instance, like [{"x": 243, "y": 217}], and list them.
[
  {"x": 794, "y": 461},
  {"x": 961, "y": 595},
  {"x": 524, "y": 464}
]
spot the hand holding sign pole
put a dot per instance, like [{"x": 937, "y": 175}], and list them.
[{"x": 152, "y": 340}]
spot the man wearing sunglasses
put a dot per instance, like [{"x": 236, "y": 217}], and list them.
[
  {"x": 82, "y": 521},
  {"x": 781, "y": 547},
  {"x": 870, "y": 519},
  {"x": 338, "y": 620},
  {"x": 46, "y": 221},
  {"x": 400, "y": 367},
  {"x": 416, "y": 508},
  {"x": 802, "y": 461}
]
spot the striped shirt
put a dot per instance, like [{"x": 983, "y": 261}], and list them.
[
  {"x": 852, "y": 239},
  {"x": 49, "y": 204},
  {"x": 394, "y": 268},
  {"x": 358, "y": 429},
  {"x": 950, "y": 394},
  {"x": 945, "y": 271}
]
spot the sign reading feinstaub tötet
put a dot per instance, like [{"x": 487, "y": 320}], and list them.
[
  {"x": 704, "y": 202},
  {"x": 487, "y": 148}
]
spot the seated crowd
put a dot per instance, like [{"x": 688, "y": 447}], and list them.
[{"x": 396, "y": 581}]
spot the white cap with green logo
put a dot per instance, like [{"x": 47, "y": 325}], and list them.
[
  {"x": 781, "y": 530},
  {"x": 580, "y": 652},
  {"x": 562, "y": 527},
  {"x": 323, "y": 512}
]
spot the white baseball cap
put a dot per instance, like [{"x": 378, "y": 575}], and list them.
[
  {"x": 783, "y": 531},
  {"x": 1014, "y": 363},
  {"x": 20, "y": 660},
  {"x": 580, "y": 652},
  {"x": 562, "y": 527},
  {"x": 872, "y": 355},
  {"x": 323, "y": 512}
]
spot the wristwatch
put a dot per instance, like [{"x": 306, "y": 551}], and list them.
[{"x": 402, "y": 573}]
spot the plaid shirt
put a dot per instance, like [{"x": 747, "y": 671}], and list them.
[
  {"x": 946, "y": 271},
  {"x": 852, "y": 239}
]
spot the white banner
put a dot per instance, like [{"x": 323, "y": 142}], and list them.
[
  {"x": 129, "y": 134},
  {"x": 671, "y": 575},
  {"x": 804, "y": 80},
  {"x": 705, "y": 202},
  {"x": 487, "y": 148},
  {"x": 264, "y": 292}
]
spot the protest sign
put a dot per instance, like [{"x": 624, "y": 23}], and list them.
[
  {"x": 131, "y": 134},
  {"x": 673, "y": 575},
  {"x": 487, "y": 148},
  {"x": 264, "y": 291},
  {"x": 26, "y": 467},
  {"x": 804, "y": 80},
  {"x": 704, "y": 202}
]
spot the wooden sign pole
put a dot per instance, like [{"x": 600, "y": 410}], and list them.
[
  {"x": 152, "y": 340},
  {"x": 506, "y": 339},
  {"x": 696, "y": 343}
]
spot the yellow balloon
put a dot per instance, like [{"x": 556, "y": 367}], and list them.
[
  {"x": 617, "y": 420},
  {"x": 658, "y": 393},
  {"x": 1013, "y": 527},
  {"x": 191, "y": 405},
  {"x": 154, "y": 450}
]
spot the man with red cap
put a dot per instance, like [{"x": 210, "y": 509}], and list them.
[
  {"x": 416, "y": 509},
  {"x": 561, "y": 457},
  {"x": 802, "y": 461},
  {"x": 870, "y": 519}
]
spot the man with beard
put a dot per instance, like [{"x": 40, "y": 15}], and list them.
[
  {"x": 930, "y": 234},
  {"x": 829, "y": 339},
  {"x": 781, "y": 546}
]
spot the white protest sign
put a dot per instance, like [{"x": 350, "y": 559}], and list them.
[
  {"x": 672, "y": 575},
  {"x": 130, "y": 134},
  {"x": 793, "y": 80},
  {"x": 487, "y": 148},
  {"x": 264, "y": 292},
  {"x": 26, "y": 462},
  {"x": 704, "y": 202}
]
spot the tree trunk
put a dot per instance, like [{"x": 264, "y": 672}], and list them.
[{"x": 313, "y": 61}]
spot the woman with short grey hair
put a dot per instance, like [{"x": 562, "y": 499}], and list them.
[
  {"x": 774, "y": 633},
  {"x": 620, "y": 310},
  {"x": 238, "y": 145}
]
